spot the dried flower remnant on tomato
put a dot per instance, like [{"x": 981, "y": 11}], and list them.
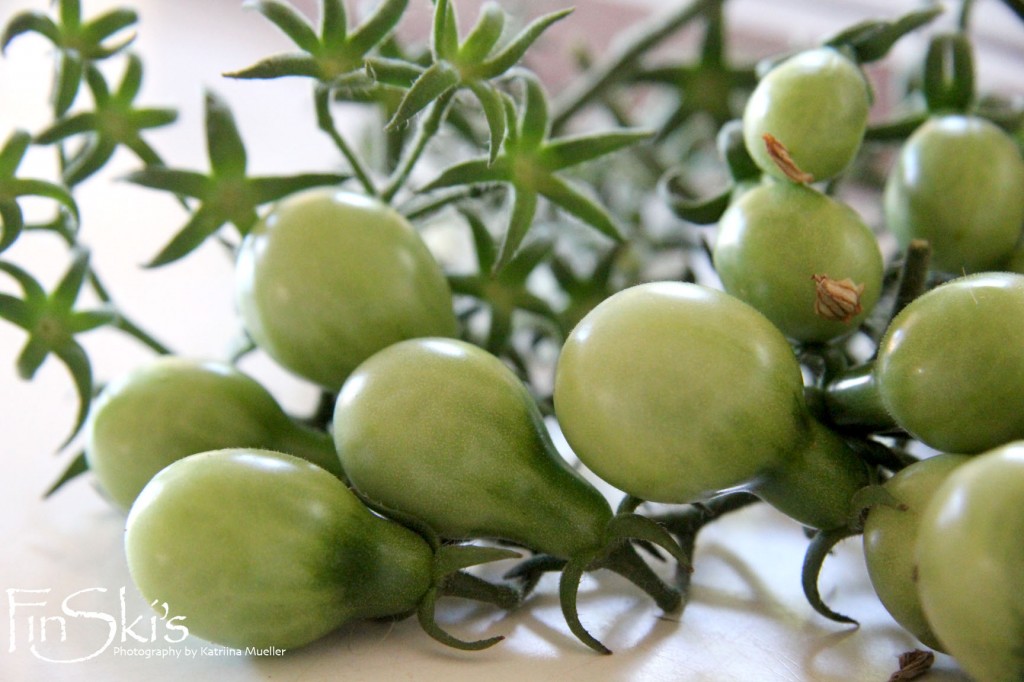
[
  {"x": 837, "y": 300},
  {"x": 780, "y": 155}
]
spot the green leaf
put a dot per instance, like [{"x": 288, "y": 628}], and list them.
[
  {"x": 66, "y": 292},
  {"x": 187, "y": 183},
  {"x": 445, "y": 33},
  {"x": 483, "y": 36},
  {"x": 526, "y": 260},
  {"x": 223, "y": 141},
  {"x": 279, "y": 66},
  {"x": 16, "y": 311},
  {"x": 397, "y": 72},
  {"x": 63, "y": 128},
  {"x": 494, "y": 111},
  {"x": 569, "y": 151},
  {"x": 34, "y": 293},
  {"x": 69, "y": 77},
  {"x": 510, "y": 55},
  {"x": 572, "y": 201},
  {"x": 42, "y": 188},
  {"x": 333, "y": 23},
  {"x": 524, "y": 207},
  {"x": 102, "y": 27},
  {"x": 271, "y": 189},
  {"x": 377, "y": 26},
  {"x": 131, "y": 80},
  {"x": 568, "y": 588},
  {"x": 13, "y": 152},
  {"x": 77, "y": 362},
  {"x": 11, "y": 224},
  {"x": 534, "y": 122},
  {"x": 30, "y": 22},
  {"x": 31, "y": 357},
  {"x": 90, "y": 159},
  {"x": 291, "y": 23},
  {"x": 471, "y": 172},
  {"x": 431, "y": 85},
  {"x": 483, "y": 243},
  {"x": 201, "y": 225},
  {"x": 87, "y": 320},
  {"x": 79, "y": 465}
]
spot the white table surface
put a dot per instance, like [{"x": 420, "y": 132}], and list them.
[{"x": 746, "y": 618}]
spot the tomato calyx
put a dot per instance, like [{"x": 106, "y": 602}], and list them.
[
  {"x": 913, "y": 664},
  {"x": 616, "y": 554},
  {"x": 780, "y": 156}
]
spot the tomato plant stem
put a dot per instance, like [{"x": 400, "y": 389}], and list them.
[
  {"x": 429, "y": 125},
  {"x": 326, "y": 123}
]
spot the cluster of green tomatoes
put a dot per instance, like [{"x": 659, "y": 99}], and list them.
[{"x": 437, "y": 457}]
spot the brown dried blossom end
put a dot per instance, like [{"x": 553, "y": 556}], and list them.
[
  {"x": 913, "y": 664},
  {"x": 780, "y": 155},
  {"x": 837, "y": 300}
]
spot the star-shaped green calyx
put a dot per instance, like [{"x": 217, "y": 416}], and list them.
[
  {"x": 472, "y": 64},
  {"x": 113, "y": 122},
  {"x": 52, "y": 323},
  {"x": 529, "y": 164},
  {"x": 12, "y": 188},
  {"x": 334, "y": 55},
  {"x": 226, "y": 194},
  {"x": 80, "y": 42}
]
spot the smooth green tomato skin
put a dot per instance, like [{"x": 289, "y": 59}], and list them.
[
  {"x": 777, "y": 237},
  {"x": 672, "y": 392},
  {"x": 172, "y": 407},
  {"x": 950, "y": 369},
  {"x": 260, "y": 549},
  {"x": 443, "y": 431},
  {"x": 890, "y": 536},
  {"x": 327, "y": 278},
  {"x": 957, "y": 183},
  {"x": 971, "y": 564},
  {"x": 816, "y": 104}
]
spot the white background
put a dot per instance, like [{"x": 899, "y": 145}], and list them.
[{"x": 746, "y": 620}]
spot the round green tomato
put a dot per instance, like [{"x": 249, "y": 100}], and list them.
[
  {"x": 444, "y": 431},
  {"x": 950, "y": 369},
  {"x": 971, "y": 564},
  {"x": 252, "y": 548},
  {"x": 777, "y": 242},
  {"x": 172, "y": 407},
  {"x": 673, "y": 391},
  {"x": 957, "y": 183},
  {"x": 327, "y": 278},
  {"x": 816, "y": 104},
  {"x": 890, "y": 536}
]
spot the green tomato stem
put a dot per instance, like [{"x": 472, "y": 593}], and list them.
[
  {"x": 852, "y": 402},
  {"x": 624, "y": 560},
  {"x": 313, "y": 446},
  {"x": 326, "y": 123},
  {"x": 430, "y": 123},
  {"x": 816, "y": 485}
]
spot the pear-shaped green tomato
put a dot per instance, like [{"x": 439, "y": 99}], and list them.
[
  {"x": 673, "y": 391},
  {"x": 328, "y": 277},
  {"x": 971, "y": 564},
  {"x": 816, "y": 104},
  {"x": 251, "y": 548},
  {"x": 958, "y": 182},
  {"x": 950, "y": 369},
  {"x": 890, "y": 536},
  {"x": 172, "y": 407},
  {"x": 443, "y": 431},
  {"x": 806, "y": 261}
]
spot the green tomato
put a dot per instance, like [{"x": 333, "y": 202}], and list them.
[
  {"x": 443, "y": 431},
  {"x": 777, "y": 242},
  {"x": 816, "y": 104},
  {"x": 327, "y": 278},
  {"x": 890, "y": 536},
  {"x": 253, "y": 548},
  {"x": 172, "y": 407},
  {"x": 971, "y": 564},
  {"x": 957, "y": 183},
  {"x": 950, "y": 368},
  {"x": 673, "y": 392}
]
